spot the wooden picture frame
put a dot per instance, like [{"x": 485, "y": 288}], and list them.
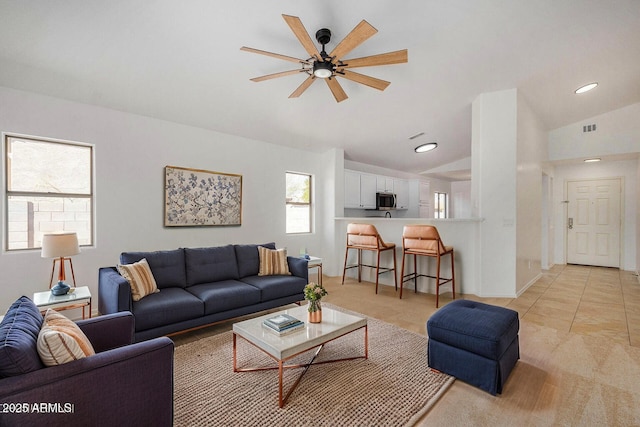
[{"x": 195, "y": 197}]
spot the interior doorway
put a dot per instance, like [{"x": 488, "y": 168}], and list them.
[{"x": 594, "y": 222}]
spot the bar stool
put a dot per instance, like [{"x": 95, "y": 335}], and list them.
[
  {"x": 365, "y": 237},
  {"x": 424, "y": 240}
]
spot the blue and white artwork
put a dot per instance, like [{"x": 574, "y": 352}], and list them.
[{"x": 196, "y": 197}]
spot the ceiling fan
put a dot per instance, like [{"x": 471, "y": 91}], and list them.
[{"x": 328, "y": 66}]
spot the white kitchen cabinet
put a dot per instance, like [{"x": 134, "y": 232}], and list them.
[
  {"x": 359, "y": 190},
  {"x": 401, "y": 189},
  {"x": 368, "y": 191},
  {"x": 351, "y": 190},
  {"x": 384, "y": 184}
]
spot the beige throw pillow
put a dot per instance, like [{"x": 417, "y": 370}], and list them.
[
  {"x": 140, "y": 279},
  {"x": 60, "y": 340},
  {"x": 273, "y": 262}
]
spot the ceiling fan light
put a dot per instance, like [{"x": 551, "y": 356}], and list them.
[
  {"x": 586, "y": 88},
  {"x": 426, "y": 147},
  {"x": 322, "y": 70}
]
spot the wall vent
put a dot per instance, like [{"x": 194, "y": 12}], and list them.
[{"x": 589, "y": 128}]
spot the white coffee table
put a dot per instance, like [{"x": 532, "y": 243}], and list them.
[{"x": 334, "y": 325}]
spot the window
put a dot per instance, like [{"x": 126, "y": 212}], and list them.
[
  {"x": 440, "y": 207},
  {"x": 298, "y": 203},
  {"x": 48, "y": 188}
]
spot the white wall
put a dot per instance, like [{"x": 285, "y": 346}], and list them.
[
  {"x": 531, "y": 152},
  {"x": 637, "y": 269},
  {"x": 627, "y": 169},
  {"x": 493, "y": 188},
  {"x": 460, "y": 199},
  {"x": 617, "y": 132},
  {"x": 131, "y": 152}
]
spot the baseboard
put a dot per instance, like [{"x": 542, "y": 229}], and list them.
[{"x": 531, "y": 282}]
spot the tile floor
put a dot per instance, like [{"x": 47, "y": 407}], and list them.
[{"x": 579, "y": 299}]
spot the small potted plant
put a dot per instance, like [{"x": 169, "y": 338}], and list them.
[{"x": 313, "y": 293}]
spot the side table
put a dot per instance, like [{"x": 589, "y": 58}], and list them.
[
  {"x": 76, "y": 298},
  {"x": 315, "y": 262}
]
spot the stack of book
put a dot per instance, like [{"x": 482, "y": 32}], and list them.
[{"x": 282, "y": 324}]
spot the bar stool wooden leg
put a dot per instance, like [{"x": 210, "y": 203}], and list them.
[
  {"x": 395, "y": 269},
  {"x": 344, "y": 269},
  {"x": 438, "y": 282},
  {"x": 402, "y": 274},
  {"x": 453, "y": 278},
  {"x": 378, "y": 272}
]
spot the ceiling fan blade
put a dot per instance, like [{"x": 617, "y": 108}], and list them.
[
  {"x": 303, "y": 36},
  {"x": 304, "y": 86},
  {"x": 365, "y": 80},
  {"x": 358, "y": 35},
  {"x": 397, "y": 57},
  {"x": 275, "y": 75},
  {"x": 336, "y": 89},
  {"x": 275, "y": 55}
]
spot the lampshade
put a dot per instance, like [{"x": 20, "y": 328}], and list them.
[{"x": 56, "y": 245}]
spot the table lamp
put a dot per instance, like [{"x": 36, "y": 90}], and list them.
[{"x": 60, "y": 246}]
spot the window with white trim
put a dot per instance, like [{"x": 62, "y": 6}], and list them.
[
  {"x": 440, "y": 209},
  {"x": 48, "y": 188},
  {"x": 298, "y": 203}
]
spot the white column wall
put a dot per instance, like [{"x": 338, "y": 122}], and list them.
[
  {"x": 493, "y": 185},
  {"x": 531, "y": 152}
]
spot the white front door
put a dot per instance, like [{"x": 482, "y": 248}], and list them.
[{"x": 593, "y": 222}]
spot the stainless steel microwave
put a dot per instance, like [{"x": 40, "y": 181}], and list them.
[{"x": 385, "y": 201}]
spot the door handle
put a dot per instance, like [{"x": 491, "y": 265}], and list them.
[{"x": 570, "y": 223}]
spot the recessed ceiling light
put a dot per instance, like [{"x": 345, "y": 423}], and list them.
[
  {"x": 587, "y": 88},
  {"x": 426, "y": 147},
  {"x": 592, "y": 160}
]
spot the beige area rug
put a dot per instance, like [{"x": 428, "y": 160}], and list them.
[{"x": 394, "y": 387}]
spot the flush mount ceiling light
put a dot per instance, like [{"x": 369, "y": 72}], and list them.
[
  {"x": 587, "y": 88},
  {"x": 592, "y": 160},
  {"x": 426, "y": 147}
]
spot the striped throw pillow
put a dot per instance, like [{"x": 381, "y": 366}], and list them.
[
  {"x": 60, "y": 340},
  {"x": 273, "y": 262},
  {"x": 140, "y": 279}
]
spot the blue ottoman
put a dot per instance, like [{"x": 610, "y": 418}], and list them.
[{"x": 474, "y": 342}]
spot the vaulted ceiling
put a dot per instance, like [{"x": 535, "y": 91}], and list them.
[{"x": 181, "y": 61}]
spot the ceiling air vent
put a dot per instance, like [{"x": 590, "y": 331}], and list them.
[{"x": 589, "y": 128}]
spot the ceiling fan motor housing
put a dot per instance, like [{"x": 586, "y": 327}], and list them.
[{"x": 323, "y": 35}]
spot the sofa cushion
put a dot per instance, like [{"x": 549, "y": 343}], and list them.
[
  {"x": 249, "y": 258},
  {"x": 274, "y": 287},
  {"x": 140, "y": 279},
  {"x": 273, "y": 262},
  {"x": 18, "y": 339},
  {"x": 225, "y": 295},
  {"x": 170, "y": 305},
  {"x": 205, "y": 265},
  {"x": 61, "y": 340},
  {"x": 167, "y": 266}
]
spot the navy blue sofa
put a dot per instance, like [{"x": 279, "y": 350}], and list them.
[
  {"x": 198, "y": 287},
  {"x": 122, "y": 384}
]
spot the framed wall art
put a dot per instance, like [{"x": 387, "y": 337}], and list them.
[{"x": 195, "y": 197}]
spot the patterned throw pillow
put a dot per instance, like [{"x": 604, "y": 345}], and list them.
[
  {"x": 273, "y": 262},
  {"x": 61, "y": 340},
  {"x": 140, "y": 279}
]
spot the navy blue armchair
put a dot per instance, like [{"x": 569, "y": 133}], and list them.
[{"x": 122, "y": 384}]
